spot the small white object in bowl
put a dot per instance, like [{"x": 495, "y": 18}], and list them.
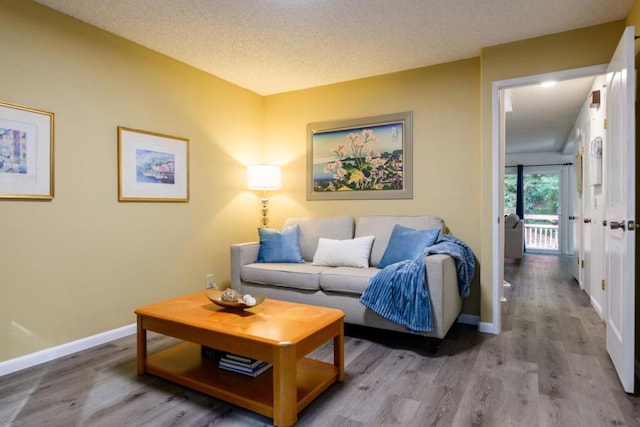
[{"x": 249, "y": 300}]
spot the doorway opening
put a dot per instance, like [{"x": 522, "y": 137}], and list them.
[
  {"x": 541, "y": 207},
  {"x": 499, "y": 107}
]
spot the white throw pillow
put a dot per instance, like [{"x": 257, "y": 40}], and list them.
[{"x": 344, "y": 253}]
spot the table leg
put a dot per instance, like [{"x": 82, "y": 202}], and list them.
[
  {"x": 142, "y": 347},
  {"x": 338, "y": 352},
  {"x": 285, "y": 396}
]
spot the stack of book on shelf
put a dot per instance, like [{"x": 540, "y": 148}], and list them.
[{"x": 242, "y": 365}]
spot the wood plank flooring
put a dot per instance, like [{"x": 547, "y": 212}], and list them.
[{"x": 549, "y": 367}]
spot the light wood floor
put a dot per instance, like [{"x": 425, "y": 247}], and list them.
[{"x": 548, "y": 368}]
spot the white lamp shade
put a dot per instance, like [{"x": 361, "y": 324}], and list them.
[{"x": 263, "y": 177}]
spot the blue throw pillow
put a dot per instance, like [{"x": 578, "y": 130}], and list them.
[
  {"x": 407, "y": 243},
  {"x": 279, "y": 246}
]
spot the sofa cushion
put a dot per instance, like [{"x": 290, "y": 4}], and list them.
[
  {"x": 344, "y": 253},
  {"x": 381, "y": 226},
  {"x": 279, "y": 246},
  {"x": 298, "y": 276},
  {"x": 407, "y": 243},
  {"x": 346, "y": 280},
  {"x": 312, "y": 228}
]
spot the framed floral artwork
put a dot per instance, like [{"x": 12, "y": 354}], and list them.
[
  {"x": 26, "y": 153},
  {"x": 368, "y": 158},
  {"x": 152, "y": 167}
]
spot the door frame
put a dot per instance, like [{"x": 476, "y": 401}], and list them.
[
  {"x": 497, "y": 179},
  {"x": 565, "y": 189}
]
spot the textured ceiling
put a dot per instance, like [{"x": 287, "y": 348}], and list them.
[
  {"x": 542, "y": 117},
  {"x": 272, "y": 46}
]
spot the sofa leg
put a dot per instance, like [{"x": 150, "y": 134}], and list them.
[{"x": 433, "y": 345}]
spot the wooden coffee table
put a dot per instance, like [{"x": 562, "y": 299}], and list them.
[{"x": 278, "y": 332}]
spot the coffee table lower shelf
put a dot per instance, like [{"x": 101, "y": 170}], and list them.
[{"x": 184, "y": 364}]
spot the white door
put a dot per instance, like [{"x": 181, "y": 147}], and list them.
[{"x": 619, "y": 156}]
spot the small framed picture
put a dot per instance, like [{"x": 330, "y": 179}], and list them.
[
  {"x": 595, "y": 161},
  {"x": 26, "y": 153},
  {"x": 152, "y": 167}
]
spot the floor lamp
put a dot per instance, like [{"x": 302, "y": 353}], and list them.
[{"x": 264, "y": 177}]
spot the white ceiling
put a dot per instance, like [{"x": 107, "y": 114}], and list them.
[
  {"x": 543, "y": 117},
  {"x": 274, "y": 46}
]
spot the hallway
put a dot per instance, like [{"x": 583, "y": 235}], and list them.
[{"x": 550, "y": 323}]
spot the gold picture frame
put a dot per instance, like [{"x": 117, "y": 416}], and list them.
[
  {"x": 152, "y": 167},
  {"x": 26, "y": 153}
]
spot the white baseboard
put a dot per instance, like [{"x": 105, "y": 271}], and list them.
[
  {"x": 469, "y": 319},
  {"x": 596, "y": 306},
  {"x": 33, "y": 359},
  {"x": 486, "y": 328}
]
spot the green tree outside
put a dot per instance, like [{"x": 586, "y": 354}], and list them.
[{"x": 540, "y": 194}]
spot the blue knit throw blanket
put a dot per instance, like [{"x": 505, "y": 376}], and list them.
[{"x": 399, "y": 292}]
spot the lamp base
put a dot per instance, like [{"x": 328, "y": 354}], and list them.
[{"x": 265, "y": 211}]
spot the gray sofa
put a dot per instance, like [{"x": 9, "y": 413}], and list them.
[
  {"x": 513, "y": 237},
  {"x": 341, "y": 287}
]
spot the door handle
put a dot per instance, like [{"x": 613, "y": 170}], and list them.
[
  {"x": 587, "y": 220},
  {"x": 615, "y": 225},
  {"x": 571, "y": 217}
]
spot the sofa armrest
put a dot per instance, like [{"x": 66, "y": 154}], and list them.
[
  {"x": 446, "y": 302},
  {"x": 242, "y": 254},
  {"x": 513, "y": 242}
]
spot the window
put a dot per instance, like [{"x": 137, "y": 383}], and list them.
[{"x": 541, "y": 207}]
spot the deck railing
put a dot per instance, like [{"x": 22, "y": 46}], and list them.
[{"x": 543, "y": 234}]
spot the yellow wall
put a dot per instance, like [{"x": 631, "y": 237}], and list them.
[
  {"x": 445, "y": 101},
  {"x": 572, "y": 49},
  {"x": 633, "y": 18},
  {"x": 80, "y": 264}
]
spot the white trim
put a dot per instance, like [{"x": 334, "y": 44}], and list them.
[
  {"x": 487, "y": 328},
  {"x": 496, "y": 211},
  {"x": 496, "y": 87},
  {"x": 32, "y": 359},
  {"x": 469, "y": 319},
  {"x": 597, "y": 307}
]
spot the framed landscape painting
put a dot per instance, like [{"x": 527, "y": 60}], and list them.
[
  {"x": 368, "y": 158},
  {"x": 26, "y": 153},
  {"x": 152, "y": 167}
]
